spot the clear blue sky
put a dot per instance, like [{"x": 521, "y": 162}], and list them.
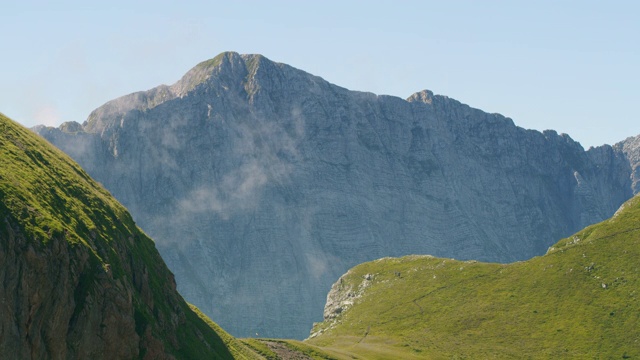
[{"x": 572, "y": 66}]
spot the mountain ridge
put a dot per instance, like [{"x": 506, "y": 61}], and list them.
[{"x": 262, "y": 178}]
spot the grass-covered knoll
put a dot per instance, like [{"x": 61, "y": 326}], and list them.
[
  {"x": 49, "y": 205},
  {"x": 580, "y": 300}
]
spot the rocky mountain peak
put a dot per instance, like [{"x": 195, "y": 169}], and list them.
[
  {"x": 228, "y": 74},
  {"x": 425, "y": 96},
  {"x": 250, "y": 167}
]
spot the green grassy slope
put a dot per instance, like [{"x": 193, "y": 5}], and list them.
[
  {"x": 48, "y": 196},
  {"x": 580, "y": 300}
]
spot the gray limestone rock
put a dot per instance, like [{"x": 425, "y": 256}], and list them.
[
  {"x": 631, "y": 149},
  {"x": 262, "y": 184}
]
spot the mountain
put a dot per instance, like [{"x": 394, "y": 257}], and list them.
[
  {"x": 579, "y": 301},
  {"x": 78, "y": 279},
  {"x": 262, "y": 184}
]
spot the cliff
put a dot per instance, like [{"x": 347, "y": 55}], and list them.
[{"x": 262, "y": 184}]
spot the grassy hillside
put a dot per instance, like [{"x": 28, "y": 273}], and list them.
[
  {"x": 580, "y": 300},
  {"x": 47, "y": 200}
]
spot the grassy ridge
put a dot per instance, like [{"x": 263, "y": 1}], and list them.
[
  {"x": 48, "y": 196},
  {"x": 580, "y": 300}
]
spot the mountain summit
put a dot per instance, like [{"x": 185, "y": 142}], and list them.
[{"x": 262, "y": 184}]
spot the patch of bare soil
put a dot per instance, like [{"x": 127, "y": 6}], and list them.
[{"x": 284, "y": 352}]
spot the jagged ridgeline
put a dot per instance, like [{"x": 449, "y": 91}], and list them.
[
  {"x": 579, "y": 301},
  {"x": 262, "y": 184},
  {"x": 78, "y": 279}
]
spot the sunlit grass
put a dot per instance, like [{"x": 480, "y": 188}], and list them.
[{"x": 578, "y": 301}]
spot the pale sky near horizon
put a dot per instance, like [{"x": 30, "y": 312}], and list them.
[{"x": 571, "y": 66}]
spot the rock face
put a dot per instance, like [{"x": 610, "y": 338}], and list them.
[
  {"x": 343, "y": 295},
  {"x": 263, "y": 184},
  {"x": 631, "y": 149},
  {"x": 78, "y": 279}
]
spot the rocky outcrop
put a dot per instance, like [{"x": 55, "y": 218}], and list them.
[
  {"x": 78, "y": 279},
  {"x": 59, "y": 304},
  {"x": 631, "y": 149},
  {"x": 263, "y": 184},
  {"x": 341, "y": 297}
]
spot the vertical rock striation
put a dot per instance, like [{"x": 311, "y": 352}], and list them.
[{"x": 263, "y": 184}]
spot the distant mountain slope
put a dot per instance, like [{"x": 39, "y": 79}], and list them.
[
  {"x": 262, "y": 184},
  {"x": 78, "y": 279},
  {"x": 579, "y": 301}
]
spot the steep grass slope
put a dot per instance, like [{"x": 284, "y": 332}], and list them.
[
  {"x": 78, "y": 279},
  {"x": 580, "y": 300}
]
